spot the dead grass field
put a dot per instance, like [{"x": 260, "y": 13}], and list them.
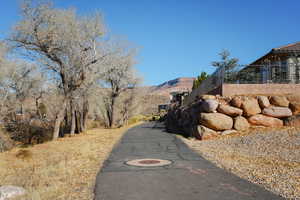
[
  {"x": 265, "y": 156},
  {"x": 60, "y": 170}
]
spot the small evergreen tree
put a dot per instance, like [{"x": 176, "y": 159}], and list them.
[
  {"x": 226, "y": 62},
  {"x": 199, "y": 80},
  {"x": 229, "y": 65}
]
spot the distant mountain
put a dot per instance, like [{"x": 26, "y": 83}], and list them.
[
  {"x": 160, "y": 94},
  {"x": 178, "y": 84}
]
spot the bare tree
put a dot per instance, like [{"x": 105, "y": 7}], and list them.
[
  {"x": 18, "y": 81},
  {"x": 3, "y": 50},
  {"x": 22, "y": 80},
  {"x": 63, "y": 43},
  {"x": 119, "y": 75},
  {"x": 3, "y": 74},
  {"x": 129, "y": 104}
]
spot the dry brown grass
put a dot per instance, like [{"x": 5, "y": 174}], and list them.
[
  {"x": 269, "y": 157},
  {"x": 63, "y": 169}
]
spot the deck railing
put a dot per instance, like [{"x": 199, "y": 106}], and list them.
[{"x": 287, "y": 73}]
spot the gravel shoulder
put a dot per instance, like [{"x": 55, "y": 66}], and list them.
[{"x": 268, "y": 157}]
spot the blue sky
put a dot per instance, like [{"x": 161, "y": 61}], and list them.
[{"x": 180, "y": 38}]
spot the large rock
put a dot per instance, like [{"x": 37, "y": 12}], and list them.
[
  {"x": 8, "y": 192},
  {"x": 278, "y": 112},
  {"x": 236, "y": 102},
  {"x": 216, "y": 121},
  {"x": 209, "y": 105},
  {"x": 293, "y": 98},
  {"x": 228, "y": 132},
  {"x": 229, "y": 110},
  {"x": 241, "y": 123},
  {"x": 223, "y": 100},
  {"x": 262, "y": 120},
  {"x": 279, "y": 101},
  {"x": 251, "y": 107},
  {"x": 295, "y": 107},
  {"x": 207, "y": 96},
  {"x": 205, "y": 133},
  {"x": 292, "y": 121},
  {"x": 263, "y": 101}
]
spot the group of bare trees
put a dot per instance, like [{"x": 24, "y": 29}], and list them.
[{"x": 61, "y": 61}]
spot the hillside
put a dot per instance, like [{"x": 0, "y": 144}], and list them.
[
  {"x": 178, "y": 84},
  {"x": 160, "y": 94}
]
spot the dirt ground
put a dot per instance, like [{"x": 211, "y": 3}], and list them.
[
  {"x": 268, "y": 157},
  {"x": 62, "y": 170}
]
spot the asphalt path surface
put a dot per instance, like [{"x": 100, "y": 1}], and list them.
[{"x": 189, "y": 177}]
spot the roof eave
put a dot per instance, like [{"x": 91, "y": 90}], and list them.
[{"x": 259, "y": 59}]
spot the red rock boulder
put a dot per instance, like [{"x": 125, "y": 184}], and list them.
[
  {"x": 295, "y": 107},
  {"x": 206, "y": 133},
  {"x": 262, "y": 120},
  {"x": 281, "y": 101},
  {"x": 278, "y": 112},
  {"x": 263, "y": 101},
  {"x": 241, "y": 123},
  {"x": 216, "y": 121},
  {"x": 251, "y": 107},
  {"x": 229, "y": 110}
]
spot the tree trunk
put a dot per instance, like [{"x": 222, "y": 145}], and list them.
[
  {"x": 81, "y": 120},
  {"x": 67, "y": 121},
  {"x": 84, "y": 114},
  {"x": 108, "y": 113},
  {"x": 73, "y": 118},
  {"x": 78, "y": 121},
  {"x": 38, "y": 113},
  {"x": 112, "y": 114},
  {"x": 22, "y": 112},
  {"x": 58, "y": 120}
]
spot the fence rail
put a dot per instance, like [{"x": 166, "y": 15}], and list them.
[
  {"x": 287, "y": 73},
  {"x": 256, "y": 74}
]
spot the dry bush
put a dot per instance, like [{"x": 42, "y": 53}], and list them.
[
  {"x": 91, "y": 124},
  {"x": 5, "y": 142},
  {"x": 24, "y": 154},
  {"x": 32, "y": 131}
]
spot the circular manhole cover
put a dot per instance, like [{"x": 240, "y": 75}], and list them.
[{"x": 149, "y": 162}]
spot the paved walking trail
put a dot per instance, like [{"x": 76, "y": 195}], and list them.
[{"x": 189, "y": 177}]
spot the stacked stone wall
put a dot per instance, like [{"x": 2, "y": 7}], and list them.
[{"x": 211, "y": 116}]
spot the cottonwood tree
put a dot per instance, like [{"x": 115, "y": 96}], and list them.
[
  {"x": 119, "y": 75},
  {"x": 61, "y": 42},
  {"x": 130, "y": 104},
  {"x": 3, "y": 74},
  {"x": 18, "y": 80},
  {"x": 3, "y": 50},
  {"x": 22, "y": 81},
  {"x": 81, "y": 107}
]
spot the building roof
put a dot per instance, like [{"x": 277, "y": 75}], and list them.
[{"x": 290, "y": 48}]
